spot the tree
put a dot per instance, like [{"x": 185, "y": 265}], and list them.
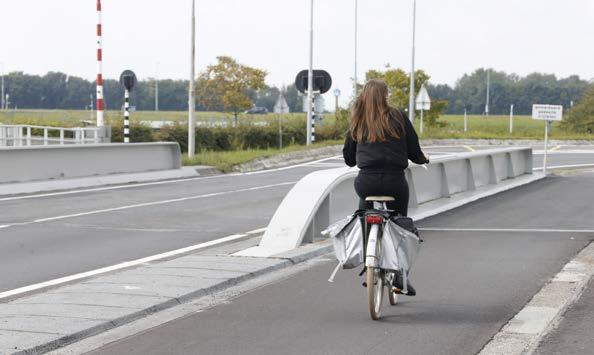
[
  {"x": 224, "y": 86},
  {"x": 398, "y": 82},
  {"x": 581, "y": 117}
]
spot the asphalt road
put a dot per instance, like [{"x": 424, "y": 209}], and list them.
[
  {"x": 60, "y": 235},
  {"x": 574, "y": 334},
  {"x": 469, "y": 284}
]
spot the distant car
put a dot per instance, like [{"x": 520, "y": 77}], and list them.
[{"x": 257, "y": 111}]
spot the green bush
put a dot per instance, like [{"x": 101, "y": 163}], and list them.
[
  {"x": 246, "y": 137},
  {"x": 138, "y": 132}
]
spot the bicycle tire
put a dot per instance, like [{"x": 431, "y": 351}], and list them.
[
  {"x": 392, "y": 296},
  {"x": 375, "y": 285}
]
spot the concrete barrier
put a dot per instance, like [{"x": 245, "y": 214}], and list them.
[
  {"x": 323, "y": 197},
  {"x": 35, "y": 163}
]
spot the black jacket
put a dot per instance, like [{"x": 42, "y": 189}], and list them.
[{"x": 390, "y": 155}]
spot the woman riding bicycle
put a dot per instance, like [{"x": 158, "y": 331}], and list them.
[{"x": 380, "y": 141}]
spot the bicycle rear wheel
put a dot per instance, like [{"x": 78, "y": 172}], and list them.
[
  {"x": 375, "y": 282},
  {"x": 375, "y": 288}
]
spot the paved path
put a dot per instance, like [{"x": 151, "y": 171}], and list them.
[{"x": 470, "y": 284}]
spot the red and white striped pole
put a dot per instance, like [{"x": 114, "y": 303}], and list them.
[{"x": 99, "y": 68}]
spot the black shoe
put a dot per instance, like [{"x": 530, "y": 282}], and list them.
[{"x": 398, "y": 283}]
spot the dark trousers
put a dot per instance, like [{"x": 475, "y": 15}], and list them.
[{"x": 383, "y": 184}]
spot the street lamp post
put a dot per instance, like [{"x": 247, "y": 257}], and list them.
[
  {"x": 192, "y": 89},
  {"x": 356, "y": 87},
  {"x": 157, "y": 88},
  {"x": 310, "y": 77},
  {"x": 488, "y": 92},
  {"x": 411, "y": 101},
  {"x": 2, "y": 97}
]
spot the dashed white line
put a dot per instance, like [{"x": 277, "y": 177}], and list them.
[{"x": 127, "y": 264}]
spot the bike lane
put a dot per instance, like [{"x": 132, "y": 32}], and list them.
[{"x": 471, "y": 279}]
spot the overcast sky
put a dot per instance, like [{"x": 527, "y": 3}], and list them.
[{"x": 453, "y": 37}]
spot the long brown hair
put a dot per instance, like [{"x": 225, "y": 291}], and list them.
[{"x": 373, "y": 120}]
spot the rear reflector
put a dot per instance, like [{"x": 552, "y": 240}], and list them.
[{"x": 374, "y": 219}]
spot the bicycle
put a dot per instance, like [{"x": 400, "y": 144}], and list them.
[{"x": 377, "y": 277}]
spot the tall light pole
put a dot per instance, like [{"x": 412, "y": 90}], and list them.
[
  {"x": 310, "y": 76},
  {"x": 157, "y": 88},
  {"x": 488, "y": 91},
  {"x": 2, "y": 97},
  {"x": 411, "y": 99},
  {"x": 192, "y": 88},
  {"x": 356, "y": 87}
]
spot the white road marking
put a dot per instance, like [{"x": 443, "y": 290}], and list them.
[
  {"x": 256, "y": 231},
  {"x": 567, "y": 166},
  {"x": 511, "y": 230},
  {"x": 120, "y": 266},
  {"x": 562, "y": 152},
  {"x": 147, "y": 204},
  {"x": 5, "y": 226},
  {"x": 556, "y": 148},
  {"x": 128, "y": 186}
]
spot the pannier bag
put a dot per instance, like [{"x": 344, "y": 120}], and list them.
[
  {"x": 347, "y": 238},
  {"x": 400, "y": 246}
]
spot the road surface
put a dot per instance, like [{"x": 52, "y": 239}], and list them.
[{"x": 470, "y": 278}]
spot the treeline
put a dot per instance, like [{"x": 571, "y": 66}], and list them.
[
  {"x": 56, "y": 90},
  {"x": 470, "y": 92}
]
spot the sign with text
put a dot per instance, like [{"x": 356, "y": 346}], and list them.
[{"x": 547, "y": 112}]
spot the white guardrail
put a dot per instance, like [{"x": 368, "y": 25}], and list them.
[
  {"x": 22, "y": 135},
  {"x": 326, "y": 196}
]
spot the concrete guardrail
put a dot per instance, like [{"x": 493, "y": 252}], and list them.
[
  {"x": 324, "y": 197},
  {"x": 34, "y": 163}
]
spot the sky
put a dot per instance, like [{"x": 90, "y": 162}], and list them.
[{"x": 453, "y": 37}]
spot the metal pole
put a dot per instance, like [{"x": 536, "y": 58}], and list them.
[
  {"x": 488, "y": 90},
  {"x": 126, "y": 116},
  {"x": 546, "y": 143},
  {"x": 91, "y": 106},
  {"x": 411, "y": 101},
  {"x": 356, "y": 87},
  {"x": 310, "y": 78},
  {"x": 421, "y": 124},
  {"x": 280, "y": 131},
  {"x": 99, "y": 68},
  {"x": 192, "y": 89},
  {"x": 157, "y": 89},
  {"x": 465, "y": 121},
  {"x": 511, "y": 119},
  {"x": 2, "y": 97}
]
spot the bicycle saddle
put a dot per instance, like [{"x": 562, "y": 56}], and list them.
[{"x": 380, "y": 198}]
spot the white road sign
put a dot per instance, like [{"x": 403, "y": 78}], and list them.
[
  {"x": 281, "y": 105},
  {"x": 547, "y": 112},
  {"x": 423, "y": 102}
]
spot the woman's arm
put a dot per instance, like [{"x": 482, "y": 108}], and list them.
[
  {"x": 415, "y": 154},
  {"x": 349, "y": 151}
]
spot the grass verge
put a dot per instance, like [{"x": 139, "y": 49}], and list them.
[{"x": 227, "y": 160}]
